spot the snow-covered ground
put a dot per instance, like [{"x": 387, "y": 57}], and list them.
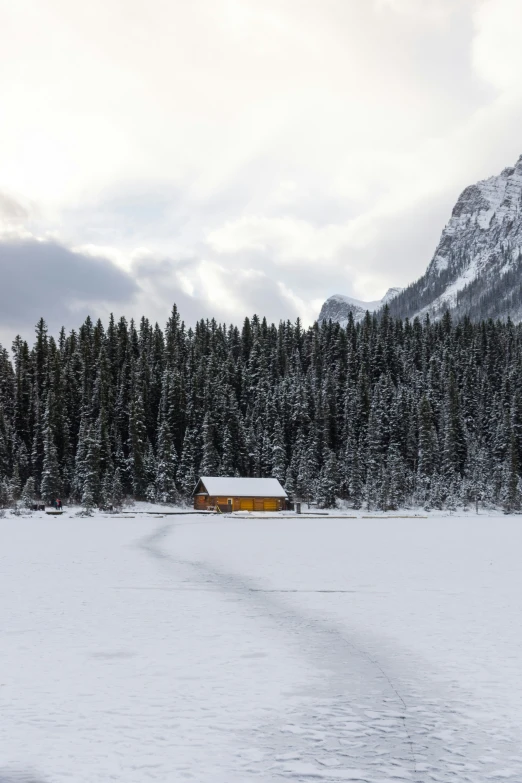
[{"x": 229, "y": 650}]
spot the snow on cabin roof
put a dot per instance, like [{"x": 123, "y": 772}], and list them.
[{"x": 243, "y": 487}]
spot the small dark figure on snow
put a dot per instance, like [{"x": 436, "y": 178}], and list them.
[{"x": 59, "y": 504}]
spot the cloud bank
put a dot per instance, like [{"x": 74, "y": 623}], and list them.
[
  {"x": 238, "y": 157},
  {"x": 40, "y": 278}
]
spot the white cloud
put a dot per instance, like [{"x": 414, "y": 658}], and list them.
[
  {"x": 497, "y": 53},
  {"x": 306, "y": 309},
  {"x": 289, "y": 239},
  {"x": 292, "y": 241},
  {"x": 219, "y": 148},
  {"x": 430, "y": 10}
]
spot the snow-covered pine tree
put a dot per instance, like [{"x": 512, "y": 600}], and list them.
[
  {"x": 80, "y": 466},
  {"x": 509, "y": 495},
  {"x": 427, "y": 451},
  {"x": 228, "y": 460},
  {"x": 187, "y": 468},
  {"x": 308, "y": 469},
  {"x": 166, "y": 467},
  {"x": 395, "y": 479},
  {"x": 356, "y": 485},
  {"x": 37, "y": 450},
  {"x": 150, "y": 465},
  {"x": 15, "y": 485},
  {"x": 4, "y": 444},
  {"x": 28, "y": 493},
  {"x": 117, "y": 489},
  {"x": 21, "y": 459},
  {"x": 454, "y": 448},
  {"x": 5, "y": 493},
  {"x": 210, "y": 457},
  {"x": 278, "y": 452},
  {"x": 266, "y": 455},
  {"x": 436, "y": 495},
  {"x": 107, "y": 499},
  {"x": 290, "y": 483},
  {"x": 328, "y": 483},
  {"x": 137, "y": 444},
  {"x": 51, "y": 480},
  {"x": 91, "y": 489}
]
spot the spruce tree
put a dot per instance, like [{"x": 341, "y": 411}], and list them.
[
  {"x": 137, "y": 446},
  {"x": 395, "y": 479},
  {"x": 187, "y": 469},
  {"x": 278, "y": 453},
  {"x": 4, "y": 492},
  {"x": 510, "y": 496},
  {"x": 166, "y": 469},
  {"x": 228, "y": 460},
  {"x": 117, "y": 489},
  {"x": 210, "y": 458},
  {"x": 80, "y": 466},
  {"x": 290, "y": 483},
  {"x": 28, "y": 493},
  {"x": 107, "y": 495},
  {"x": 91, "y": 489},
  {"x": 328, "y": 482},
  {"x": 15, "y": 485},
  {"x": 51, "y": 480}
]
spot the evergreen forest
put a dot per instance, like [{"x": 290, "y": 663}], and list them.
[{"x": 381, "y": 414}]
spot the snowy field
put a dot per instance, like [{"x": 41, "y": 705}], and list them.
[{"x": 226, "y": 650}]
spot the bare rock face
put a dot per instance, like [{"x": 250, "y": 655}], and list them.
[{"x": 476, "y": 269}]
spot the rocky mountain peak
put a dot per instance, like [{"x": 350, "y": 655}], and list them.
[
  {"x": 338, "y": 307},
  {"x": 476, "y": 269}
]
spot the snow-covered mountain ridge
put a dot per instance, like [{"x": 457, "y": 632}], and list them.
[
  {"x": 476, "y": 269},
  {"x": 338, "y": 307}
]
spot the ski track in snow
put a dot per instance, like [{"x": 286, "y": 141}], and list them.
[
  {"x": 358, "y": 722},
  {"x": 229, "y": 651}
]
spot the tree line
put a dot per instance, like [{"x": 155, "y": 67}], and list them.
[{"x": 383, "y": 413}]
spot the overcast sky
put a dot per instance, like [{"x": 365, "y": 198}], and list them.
[{"x": 240, "y": 156}]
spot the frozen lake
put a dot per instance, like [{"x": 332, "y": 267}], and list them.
[{"x": 234, "y": 650}]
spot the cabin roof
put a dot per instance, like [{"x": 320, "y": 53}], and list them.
[{"x": 242, "y": 487}]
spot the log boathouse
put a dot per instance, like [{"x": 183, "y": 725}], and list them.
[{"x": 239, "y": 494}]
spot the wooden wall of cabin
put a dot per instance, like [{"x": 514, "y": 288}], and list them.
[{"x": 202, "y": 502}]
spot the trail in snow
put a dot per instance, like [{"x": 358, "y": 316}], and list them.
[
  {"x": 258, "y": 650},
  {"x": 365, "y": 714}
]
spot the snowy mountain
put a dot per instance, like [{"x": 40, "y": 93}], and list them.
[
  {"x": 338, "y": 307},
  {"x": 477, "y": 267}
]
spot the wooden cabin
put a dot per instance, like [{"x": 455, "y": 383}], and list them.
[{"x": 239, "y": 494}]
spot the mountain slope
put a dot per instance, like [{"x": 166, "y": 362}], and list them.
[
  {"x": 477, "y": 267},
  {"x": 338, "y": 307}
]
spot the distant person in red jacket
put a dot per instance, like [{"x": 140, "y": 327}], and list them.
[{"x": 59, "y": 504}]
